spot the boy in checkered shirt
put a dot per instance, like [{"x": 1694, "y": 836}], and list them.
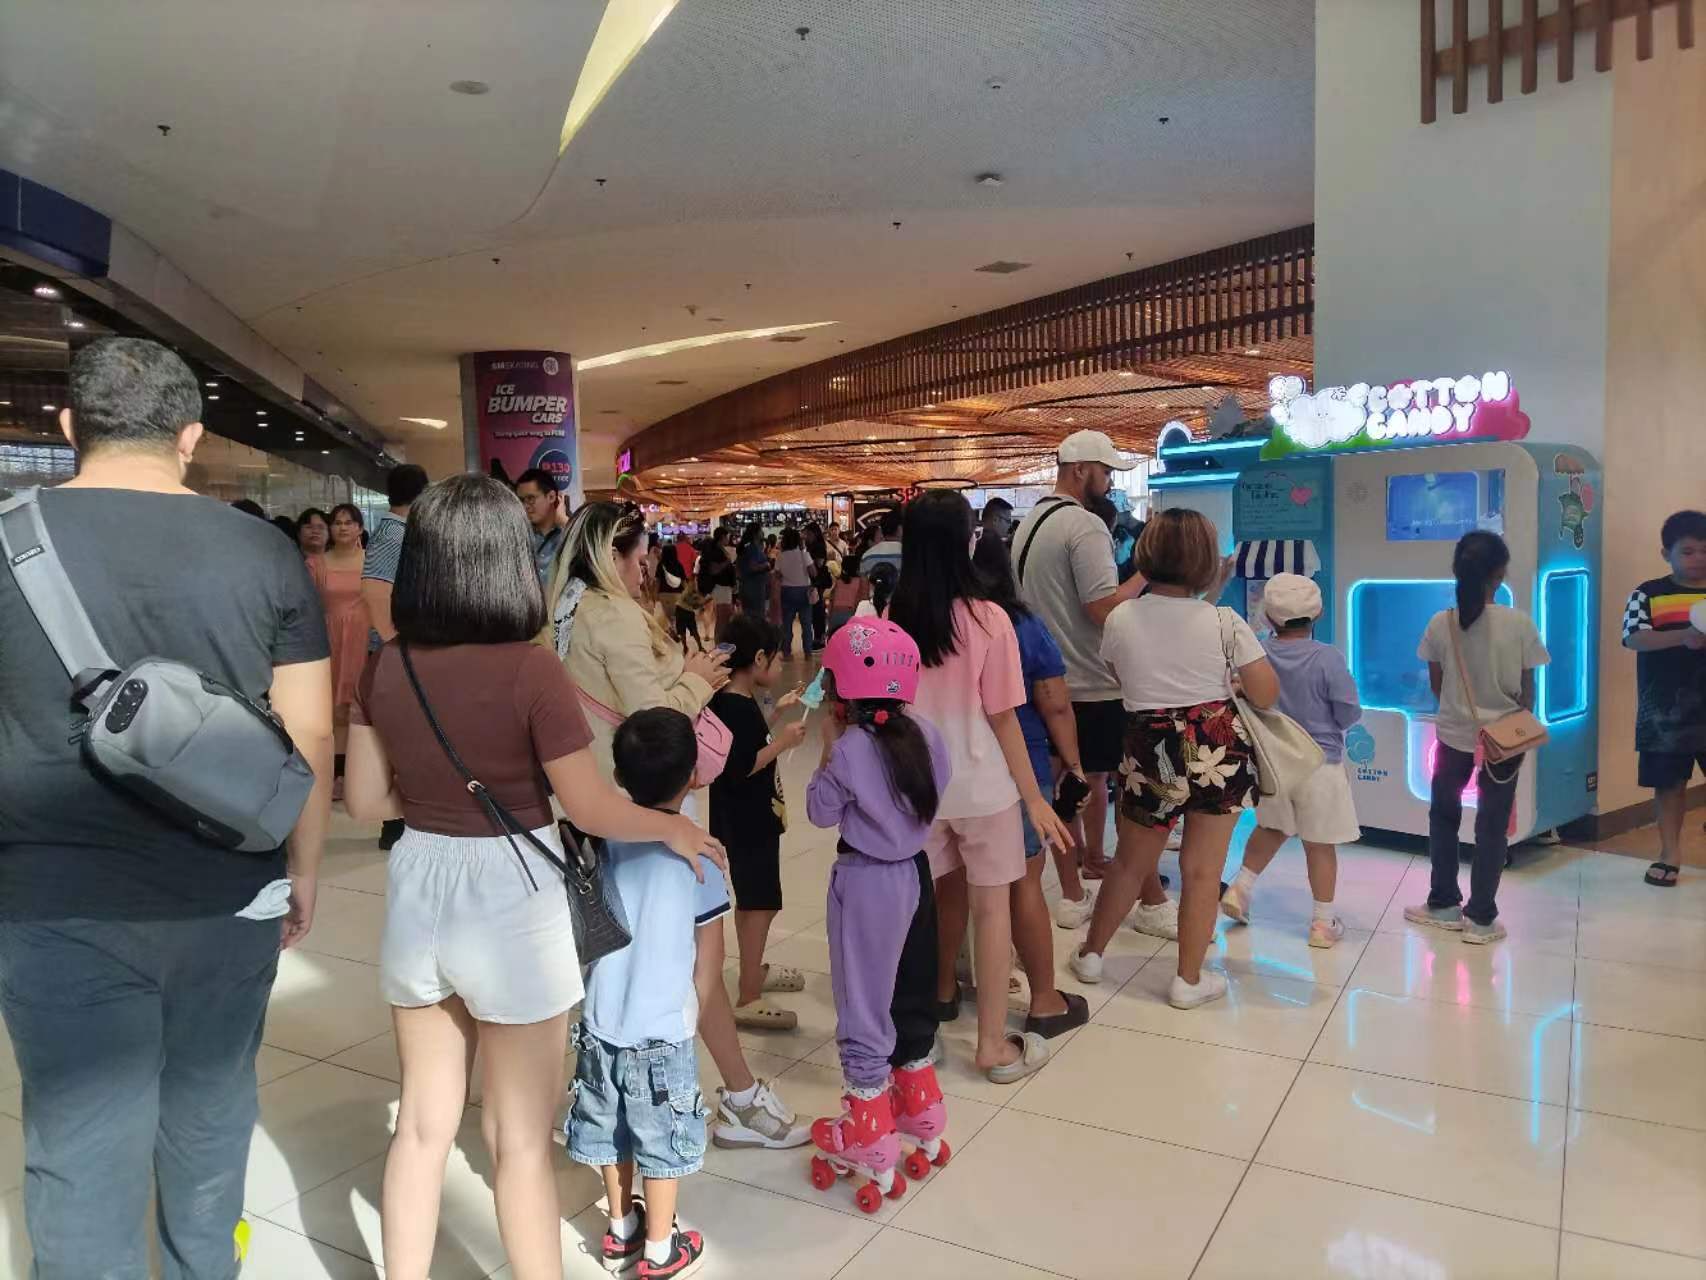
[{"x": 1670, "y": 678}]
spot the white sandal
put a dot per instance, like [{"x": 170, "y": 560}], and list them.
[
  {"x": 781, "y": 978},
  {"x": 761, "y": 1015}
]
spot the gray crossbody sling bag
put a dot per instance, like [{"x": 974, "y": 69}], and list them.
[{"x": 193, "y": 749}]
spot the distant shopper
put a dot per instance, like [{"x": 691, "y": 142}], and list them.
[
  {"x": 749, "y": 815},
  {"x": 1500, "y": 648},
  {"x": 996, "y": 519},
  {"x": 479, "y": 943},
  {"x": 337, "y": 576},
  {"x": 717, "y": 577},
  {"x": 136, "y": 960},
  {"x": 1185, "y": 756},
  {"x": 379, "y": 570},
  {"x": 686, "y": 552},
  {"x": 1670, "y": 680},
  {"x": 849, "y": 591},
  {"x": 249, "y": 507},
  {"x": 794, "y": 571},
  {"x": 547, "y": 513},
  {"x": 668, "y": 584},
  {"x": 314, "y": 533},
  {"x": 1317, "y": 691},
  {"x": 886, "y": 550},
  {"x": 753, "y": 562},
  {"x": 1063, "y": 558}
]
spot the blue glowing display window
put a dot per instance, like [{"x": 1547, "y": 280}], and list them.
[
  {"x": 1442, "y": 506},
  {"x": 1383, "y": 630},
  {"x": 1564, "y": 600}
]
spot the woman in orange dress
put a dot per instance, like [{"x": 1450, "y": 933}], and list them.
[{"x": 337, "y": 574}]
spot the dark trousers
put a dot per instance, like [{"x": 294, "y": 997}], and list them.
[
  {"x": 687, "y": 624},
  {"x": 914, "y": 1006},
  {"x": 796, "y": 603},
  {"x": 820, "y": 622},
  {"x": 1492, "y": 825},
  {"x": 136, "y": 1042}
]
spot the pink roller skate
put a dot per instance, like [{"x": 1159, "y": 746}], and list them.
[
  {"x": 920, "y": 1114},
  {"x": 861, "y": 1141}
]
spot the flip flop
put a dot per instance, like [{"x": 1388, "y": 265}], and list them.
[
  {"x": 781, "y": 978},
  {"x": 1033, "y": 1053},
  {"x": 1055, "y": 1024},
  {"x": 1663, "y": 875},
  {"x": 762, "y": 1016}
]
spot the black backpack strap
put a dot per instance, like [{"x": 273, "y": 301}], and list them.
[
  {"x": 508, "y": 825},
  {"x": 1025, "y": 555},
  {"x": 46, "y": 589}
]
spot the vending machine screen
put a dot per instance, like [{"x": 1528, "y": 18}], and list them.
[
  {"x": 1385, "y": 627},
  {"x": 1442, "y": 506}
]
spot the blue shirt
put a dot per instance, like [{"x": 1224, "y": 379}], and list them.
[
  {"x": 644, "y": 992},
  {"x": 545, "y": 548},
  {"x": 1039, "y": 659},
  {"x": 384, "y": 552},
  {"x": 1316, "y": 690}
]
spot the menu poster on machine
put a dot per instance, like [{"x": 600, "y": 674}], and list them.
[
  {"x": 1281, "y": 504},
  {"x": 525, "y": 410}
]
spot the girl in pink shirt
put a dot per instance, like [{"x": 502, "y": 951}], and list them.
[{"x": 970, "y": 688}]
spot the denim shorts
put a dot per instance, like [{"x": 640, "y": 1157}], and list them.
[{"x": 641, "y": 1105}]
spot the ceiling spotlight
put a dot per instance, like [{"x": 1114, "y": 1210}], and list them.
[
  {"x": 260, "y": 413},
  {"x": 50, "y": 408},
  {"x": 1072, "y": 419},
  {"x": 75, "y": 324},
  {"x": 929, "y": 406},
  {"x": 325, "y": 452},
  {"x": 213, "y": 384},
  {"x": 47, "y": 291},
  {"x": 1252, "y": 351},
  {"x": 213, "y": 397},
  {"x": 1127, "y": 373},
  {"x": 989, "y": 179},
  {"x": 437, "y": 424},
  {"x": 473, "y": 88}
]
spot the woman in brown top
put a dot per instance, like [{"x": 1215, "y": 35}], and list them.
[{"x": 479, "y": 945}]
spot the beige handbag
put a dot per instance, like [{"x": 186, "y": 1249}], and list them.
[
  {"x": 1284, "y": 753},
  {"x": 1511, "y": 736}
]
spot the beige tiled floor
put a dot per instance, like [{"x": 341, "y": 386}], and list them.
[{"x": 1402, "y": 1106}]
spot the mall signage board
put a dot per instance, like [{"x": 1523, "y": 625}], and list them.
[
  {"x": 1405, "y": 414},
  {"x": 524, "y": 412}
]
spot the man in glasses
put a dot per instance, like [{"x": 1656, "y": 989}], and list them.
[{"x": 546, "y": 512}]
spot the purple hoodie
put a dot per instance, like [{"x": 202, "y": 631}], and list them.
[
  {"x": 852, "y": 790},
  {"x": 1316, "y": 690}
]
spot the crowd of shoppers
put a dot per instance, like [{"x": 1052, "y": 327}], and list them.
[{"x": 503, "y": 684}]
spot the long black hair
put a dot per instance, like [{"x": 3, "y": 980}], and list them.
[
  {"x": 995, "y": 566},
  {"x": 905, "y": 749},
  {"x": 467, "y": 573},
  {"x": 935, "y": 573},
  {"x": 1480, "y": 558}
]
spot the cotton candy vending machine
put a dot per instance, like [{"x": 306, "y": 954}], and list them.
[{"x": 1367, "y": 488}]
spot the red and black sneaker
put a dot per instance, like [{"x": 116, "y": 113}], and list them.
[
  {"x": 622, "y": 1255},
  {"x": 686, "y": 1252}
]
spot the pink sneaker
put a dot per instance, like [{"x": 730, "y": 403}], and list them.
[
  {"x": 1324, "y": 933},
  {"x": 920, "y": 1114}
]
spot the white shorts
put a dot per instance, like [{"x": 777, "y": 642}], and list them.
[
  {"x": 722, "y": 595},
  {"x": 1320, "y": 811},
  {"x": 462, "y": 919}
]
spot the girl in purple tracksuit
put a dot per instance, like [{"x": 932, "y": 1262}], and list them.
[{"x": 881, "y": 774}]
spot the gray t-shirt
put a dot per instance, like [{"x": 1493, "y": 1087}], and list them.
[
  {"x": 1070, "y": 564},
  {"x": 1497, "y": 649}
]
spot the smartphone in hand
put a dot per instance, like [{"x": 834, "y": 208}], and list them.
[{"x": 1069, "y": 798}]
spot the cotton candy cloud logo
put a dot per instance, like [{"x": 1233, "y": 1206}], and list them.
[{"x": 1426, "y": 409}]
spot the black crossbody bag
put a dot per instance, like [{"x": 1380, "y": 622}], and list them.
[{"x": 600, "y": 927}]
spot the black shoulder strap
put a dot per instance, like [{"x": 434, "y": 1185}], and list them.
[
  {"x": 1025, "y": 555},
  {"x": 508, "y": 825}
]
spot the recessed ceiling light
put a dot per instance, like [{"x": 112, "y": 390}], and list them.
[
  {"x": 212, "y": 384},
  {"x": 1252, "y": 351},
  {"x": 1033, "y": 410},
  {"x": 1072, "y": 419},
  {"x": 437, "y": 424},
  {"x": 4, "y": 403},
  {"x": 688, "y": 344},
  {"x": 49, "y": 408},
  {"x": 1163, "y": 405},
  {"x": 260, "y": 413},
  {"x": 473, "y": 88},
  {"x": 1127, "y": 373},
  {"x": 213, "y": 397},
  {"x": 1001, "y": 267},
  {"x": 46, "y": 291},
  {"x": 929, "y": 406},
  {"x": 1208, "y": 388},
  {"x": 324, "y": 452},
  {"x": 75, "y": 324}
]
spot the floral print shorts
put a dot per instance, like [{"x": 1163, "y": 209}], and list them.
[{"x": 1184, "y": 760}]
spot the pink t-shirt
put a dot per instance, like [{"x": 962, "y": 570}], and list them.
[{"x": 981, "y": 680}]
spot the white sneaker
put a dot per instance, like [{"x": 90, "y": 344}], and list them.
[
  {"x": 1159, "y": 921},
  {"x": 1074, "y": 915},
  {"x": 1210, "y": 986},
  {"x": 766, "y": 1121},
  {"x": 1086, "y": 968},
  {"x": 1324, "y": 933}
]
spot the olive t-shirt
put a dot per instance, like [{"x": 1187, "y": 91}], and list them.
[
  {"x": 506, "y": 708},
  {"x": 168, "y": 575}
]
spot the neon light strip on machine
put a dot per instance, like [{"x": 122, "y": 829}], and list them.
[
  {"x": 1165, "y": 481},
  {"x": 1578, "y": 707}
]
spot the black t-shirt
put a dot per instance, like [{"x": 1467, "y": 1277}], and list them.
[
  {"x": 1670, "y": 684},
  {"x": 168, "y": 575},
  {"x": 747, "y": 812}
]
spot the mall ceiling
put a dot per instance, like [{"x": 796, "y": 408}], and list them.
[{"x": 309, "y": 165}]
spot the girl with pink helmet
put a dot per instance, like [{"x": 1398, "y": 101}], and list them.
[{"x": 882, "y": 772}]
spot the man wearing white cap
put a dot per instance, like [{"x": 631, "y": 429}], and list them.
[{"x": 1063, "y": 557}]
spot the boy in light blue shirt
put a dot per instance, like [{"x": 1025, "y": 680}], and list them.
[{"x": 637, "y": 1101}]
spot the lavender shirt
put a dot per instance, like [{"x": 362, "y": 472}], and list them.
[
  {"x": 1316, "y": 690},
  {"x": 851, "y": 790}
]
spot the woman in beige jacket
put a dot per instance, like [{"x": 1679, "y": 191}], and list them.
[{"x": 623, "y": 661}]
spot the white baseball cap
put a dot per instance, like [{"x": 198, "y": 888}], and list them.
[
  {"x": 1093, "y": 446},
  {"x": 1289, "y": 596}
]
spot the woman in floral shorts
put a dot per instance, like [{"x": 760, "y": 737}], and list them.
[{"x": 1186, "y": 751}]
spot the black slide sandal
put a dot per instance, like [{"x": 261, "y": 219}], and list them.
[{"x": 1662, "y": 875}]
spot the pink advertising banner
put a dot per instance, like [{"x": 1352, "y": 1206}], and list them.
[{"x": 522, "y": 411}]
